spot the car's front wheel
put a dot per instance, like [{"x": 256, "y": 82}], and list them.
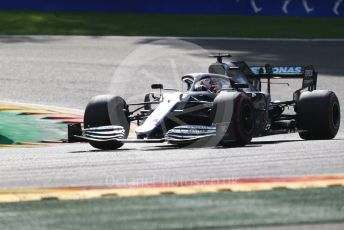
[
  {"x": 234, "y": 117},
  {"x": 105, "y": 110}
]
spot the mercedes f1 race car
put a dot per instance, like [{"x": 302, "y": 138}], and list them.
[{"x": 225, "y": 106}]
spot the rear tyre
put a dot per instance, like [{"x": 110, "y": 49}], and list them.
[
  {"x": 241, "y": 125},
  {"x": 104, "y": 110},
  {"x": 318, "y": 115}
]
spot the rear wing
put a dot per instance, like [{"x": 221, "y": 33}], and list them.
[
  {"x": 307, "y": 73},
  {"x": 255, "y": 73}
]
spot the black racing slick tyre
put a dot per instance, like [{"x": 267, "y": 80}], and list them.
[
  {"x": 244, "y": 120},
  {"x": 242, "y": 123},
  {"x": 318, "y": 115},
  {"x": 105, "y": 110}
]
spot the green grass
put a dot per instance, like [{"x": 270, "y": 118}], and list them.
[
  {"x": 17, "y": 128},
  {"x": 78, "y": 23},
  {"x": 204, "y": 211}
]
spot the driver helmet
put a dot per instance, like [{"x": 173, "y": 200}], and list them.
[{"x": 213, "y": 85}]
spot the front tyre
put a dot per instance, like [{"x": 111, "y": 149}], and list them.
[
  {"x": 234, "y": 117},
  {"x": 105, "y": 110},
  {"x": 244, "y": 120},
  {"x": 318, "y": 115}
]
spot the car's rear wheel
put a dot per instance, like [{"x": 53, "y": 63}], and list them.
[
  {"x": 318, "y": 114},
  {"x": 235, "y": 116},
  {"x": 105, "y": 110}
]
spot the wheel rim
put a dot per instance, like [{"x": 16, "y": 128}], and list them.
[
  {"x": 335, "y": 115},
  {"x": 247, "y": 119}
]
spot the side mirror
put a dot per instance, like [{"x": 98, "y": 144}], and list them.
[
  {"x": 241, "y": 86},
  {"x": 157, "y": 86}
]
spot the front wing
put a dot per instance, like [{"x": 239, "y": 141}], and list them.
[{"x": 178, "y": 135}]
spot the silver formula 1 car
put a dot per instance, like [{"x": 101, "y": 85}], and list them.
[{"x": 223, "y": 107}]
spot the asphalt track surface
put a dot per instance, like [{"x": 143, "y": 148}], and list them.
[{"x": 68, "y": 71}]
